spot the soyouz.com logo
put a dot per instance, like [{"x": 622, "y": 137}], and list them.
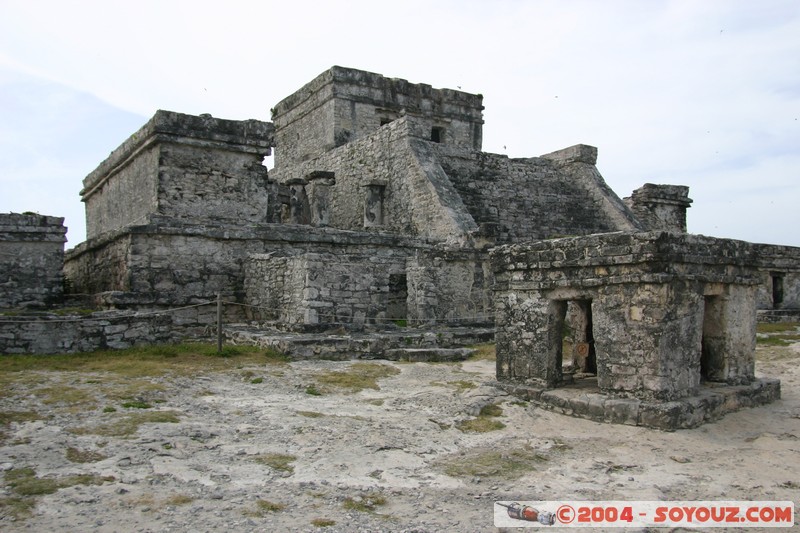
[{"x": 555, "y": 514}]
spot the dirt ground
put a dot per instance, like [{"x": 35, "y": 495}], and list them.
[{"x": 295, "y": 446}]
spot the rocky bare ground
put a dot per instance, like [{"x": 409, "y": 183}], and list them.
[{"x": 280, "y": 447}]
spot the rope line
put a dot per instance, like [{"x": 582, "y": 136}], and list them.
[
  {"x": 261, "y": 308},
  {"x": 137, "y": 314}
]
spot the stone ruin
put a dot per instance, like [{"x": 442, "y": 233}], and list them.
[
  {"x": 660, "y": 326},
  {"x": 381, "y": 212},
  {"x": 31, "y": 260}
]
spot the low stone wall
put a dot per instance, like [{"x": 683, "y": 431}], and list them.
[{"x": 51, "y": 333}]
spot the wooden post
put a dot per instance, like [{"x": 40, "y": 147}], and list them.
[{"x": 219, "y": 322}]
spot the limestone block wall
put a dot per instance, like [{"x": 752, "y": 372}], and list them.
[
  {"x": 387, "y": 182},
  {"x": 318, "y": 290},
  {"x": 183, "y": 166},
  {"x": 449, "y": 288},
  {"x": 127, "y": 199},
  {"x": 660, "y": 207},
  {"x": 668, "y": 310},
  {"x": 100, "y": 265},
  {"x": 342, "y": 105},
  {"x": 517, "y": 200},
  {"x": 31, "y": 260},
  {"x": 166, "y": 263},
  {"x": 49, "y": 334},
  {"x": 779, "y": 268}
]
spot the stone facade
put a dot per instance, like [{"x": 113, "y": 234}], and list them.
[
  {"x": 342, "y": 105},
  {"x": 31, "y": 260},
  {"x": 182, "y": 166},
  {"x": 662, "y": 314},
  {"x": 660, "y": 207},
  {"x": 374, "y": 178},
  {"x": 381, "y": 210}
]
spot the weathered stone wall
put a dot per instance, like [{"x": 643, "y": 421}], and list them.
[
  {"x": 125, "y": 200},
  {"x": 31, "y": 260},
  {"x": 168, "y": 262},
  {"x": 449, "y": 288},
  {"x": 324, "y": 290},
  {"x": 45, "y": 334},
  {"x": 172, "y": 262},
  {"x": 99, "y": 265},
  {"x": 342, "y": 105},
  {"x": 779, "y": 268},
  {"x": 388, "y": 182},
  {"x": 184, "y": 166},
  {"x": 517, "y": 200},
  {"x": 668, "y": 309},
  {"x": 660, "y": 207}
]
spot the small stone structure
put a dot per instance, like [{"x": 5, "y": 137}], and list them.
[
  {"x": 31, "y": 260},
  {"x": 666, "y": 322},
  {"x": 660, "y": 207}
]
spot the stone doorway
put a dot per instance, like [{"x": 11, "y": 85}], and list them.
[
  {"x": 712, "y": 352},
  {"x": 397, "y": 308},
  {"x": 576, "y": 351}
]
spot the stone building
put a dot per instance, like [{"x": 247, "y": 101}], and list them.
[
  {"x": 381, "y": 208},
  {"x": 662, "y": 327}
]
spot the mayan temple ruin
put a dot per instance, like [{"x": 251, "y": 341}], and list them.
[{"x": 383, "y": 214}]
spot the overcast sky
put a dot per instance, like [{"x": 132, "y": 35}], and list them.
[{"x": 704, "y": 93}]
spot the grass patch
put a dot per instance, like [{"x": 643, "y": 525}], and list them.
[
  {"x": 323, "y": 522},
  {"x": 256, "y": 381},
  {"x": 460, "y": 385},
  {"x": 780, "y": 327},
  {"x": 266, "y": 506},
  {"x": 23, "y": 482},
  {"x": 277, "y": 461},
  {"x": 483, "y": 352},
  {"x": 74, "y": 455},
  {"x": 128, "y": 425},
  {"x": 491, "y": 409},
  {"x": 178, "y": 359},
  {"x": 312, "y": 390},
  {"x": 485, "y": 420},
  {"x": 136, "y": 404},
  {"x": 357, "y": 377},
  {"x": 64, "y": 396},
  {"x": 366, "y": 504},
  {"x": 9, "y": 417},
  {"x": 16, "y": 507},
  {"x": 179, "y": 499},
  {"x": 492, "y": 463},
  {"x": 274, "y": 356}
]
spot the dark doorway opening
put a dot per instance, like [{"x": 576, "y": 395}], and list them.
[
  {"x": 712, "y": 355},
  {"x": 397, "y": 308},
  {"x": 777, "y": 290},
  {"x": 573, "y": 344}
]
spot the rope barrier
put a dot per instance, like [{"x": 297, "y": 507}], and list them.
[
  {"x": 264, "y": 309},
  {"x": 136, "y": 314}
]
